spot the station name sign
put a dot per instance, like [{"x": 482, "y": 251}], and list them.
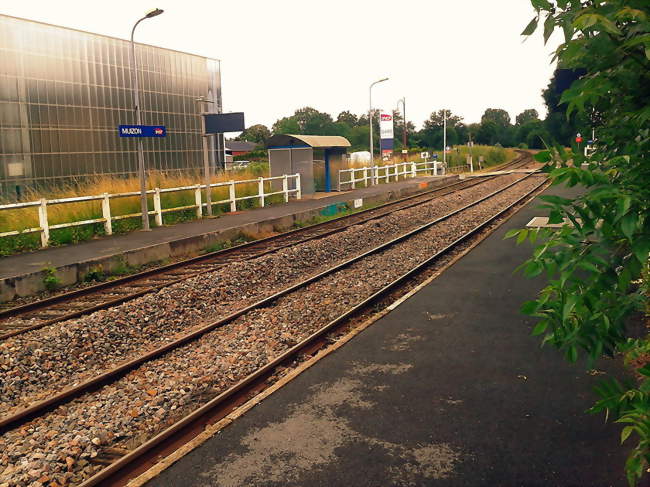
[{"x": 142, "y": 131}]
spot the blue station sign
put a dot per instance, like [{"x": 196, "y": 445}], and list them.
[{"x": 142, "y": 130}]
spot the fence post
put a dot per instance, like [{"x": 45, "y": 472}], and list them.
[
  {"x": 388, "y": 173},
  {"x": 43, "y": 223},
  {"x": 198, "y": 202},
  {"x": 299, "y": 191},
  {"x": 260, "y": 189},
  {"x": 232, "y": 196},
  {"x": 157, "y": 208},
  {"x": 353, "y": 178},
  {"x": 365, "y": 177},
  {"x": 285, "y": 188},
  {"x": 376, "y": 175},
  {"x": 106, "y": 214}
]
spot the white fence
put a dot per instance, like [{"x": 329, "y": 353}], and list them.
[
  {"x": 107, "y": 219},
  {"x": 377, "y": 174}
]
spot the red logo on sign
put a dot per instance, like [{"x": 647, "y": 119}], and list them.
[
  {"x": 158, "y": 131},
  {"x": 386, "y": 118},
  {"x": 578, "y": 139}
]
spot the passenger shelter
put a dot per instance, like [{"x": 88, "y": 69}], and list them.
[{"x": 291, "y": 154}]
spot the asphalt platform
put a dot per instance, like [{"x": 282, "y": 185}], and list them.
[{"x": 449, "y": 389}]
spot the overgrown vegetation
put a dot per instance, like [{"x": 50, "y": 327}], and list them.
[
  {"x": 28, "y": 217},
  {"x": 226, "y": 244},
  {"x": 50, "y": 280},
  {"x": 597, "y": 263}
]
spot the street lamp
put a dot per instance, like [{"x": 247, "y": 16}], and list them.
[
  {"x": 403, "y": 101},
  {"x": 138, "y": 120},
  {"x": 372, "y": 152}
]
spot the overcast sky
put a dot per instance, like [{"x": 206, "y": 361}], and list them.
[{"x": 277, "y": 56}]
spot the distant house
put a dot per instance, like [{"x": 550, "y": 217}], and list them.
[{"x": 239, "y": 147}]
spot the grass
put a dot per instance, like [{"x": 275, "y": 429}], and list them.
[
  {"x": 456, "y": 159},
  {"x": 492, "y": 156},
  {"x": 24, "y": 218},
  {"x": 226, "y": 244},
  {"x": 21, "y": 219}
]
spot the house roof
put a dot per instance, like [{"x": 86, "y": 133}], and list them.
[{"x": 240, "y": 145}]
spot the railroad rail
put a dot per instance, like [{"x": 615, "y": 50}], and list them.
[
  {"x": 126, "y": 465},
  {"x": 107, "y": 377},
  {"x": 82, "y": 301},
  {"x": 523, "y": 159}
]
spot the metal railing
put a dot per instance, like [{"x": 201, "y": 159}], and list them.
[
  {"x": 379, "y": 174},
  {"x": 107, "y": 218}
]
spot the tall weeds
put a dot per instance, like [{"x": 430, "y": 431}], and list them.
[{"x": 24, "y": 218}]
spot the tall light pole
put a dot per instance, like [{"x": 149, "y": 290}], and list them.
[
  {"x": 372, "y": 152},
  {"x": 404, "y": 140},
  {"x": 207, "y": 173},
  {"x": 138, "y": 120},
  {"x": 444, "y": 138}
]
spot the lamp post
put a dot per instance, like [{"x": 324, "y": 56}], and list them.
[
  {"x": 207, "y": 176},
  {"x": 372, "y": 152},
  {"x": 138, "y": 120},
  {"x": 404, "y": 140},
  {"x": 444, "y": 138}
]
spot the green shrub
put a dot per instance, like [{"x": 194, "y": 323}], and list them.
[{"x": 50, "y": 279}]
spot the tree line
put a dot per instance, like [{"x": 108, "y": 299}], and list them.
[{"x": 495, "y": 127}]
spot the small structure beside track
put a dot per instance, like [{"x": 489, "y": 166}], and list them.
[{"x": 296, "y": 152}]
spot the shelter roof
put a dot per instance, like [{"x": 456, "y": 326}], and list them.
[{"x": 315, "y": 141}]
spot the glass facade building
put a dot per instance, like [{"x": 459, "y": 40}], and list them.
[{"x": 63, "y": 93}]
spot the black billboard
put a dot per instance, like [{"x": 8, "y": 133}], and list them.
[{"x": 221, "y": 123}]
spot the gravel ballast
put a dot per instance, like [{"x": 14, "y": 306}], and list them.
[
  {"x": 38, "y": 363},
  {"x": 60, "y": 445}
]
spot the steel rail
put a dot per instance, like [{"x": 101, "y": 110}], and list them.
[
  {"x": 196, "y": 420},
  {"x": 266, "y": 244},
  {"x": 111, "y": 375}
]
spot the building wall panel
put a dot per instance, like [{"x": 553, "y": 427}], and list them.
[{"x": 63, "y": 93}]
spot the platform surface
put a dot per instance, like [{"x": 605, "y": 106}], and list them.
[
  {"x": 449, "y": 389},
  {"x": 20, "y": 264}
]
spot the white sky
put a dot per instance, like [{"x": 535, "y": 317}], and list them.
[{"x": 280, "y": 55}]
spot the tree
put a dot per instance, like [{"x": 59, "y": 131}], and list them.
[
  {"x": 436, "y": 119},
  {"x": 561, "y": 126},
  {"x": 256, "y": 133},
  {"x": 498, "y": 128},
  {"x": 286, "y": 125},
  {"x": 532, "y": 133},
  {"x": 306, "y": 120},
  {"x": 432, "y": 133},
  {"x": 348, "y": 117},
  {"x": 529, "y": 115},
  {"x": 488, "y": 133},
  {"x": 497, "y": 115},
  {"x": 313, "y": 122},
  {"x": 597, "y": 266}
]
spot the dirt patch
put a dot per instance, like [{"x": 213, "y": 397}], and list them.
[
  {"x": 403, "y": 342},
  {"x": 306, "y": 441}
]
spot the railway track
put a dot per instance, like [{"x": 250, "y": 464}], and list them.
[
  {"x": 58, "y": 308},
  {"x": 521, "y": 161},
  {"x": 119, "y": 461}
]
